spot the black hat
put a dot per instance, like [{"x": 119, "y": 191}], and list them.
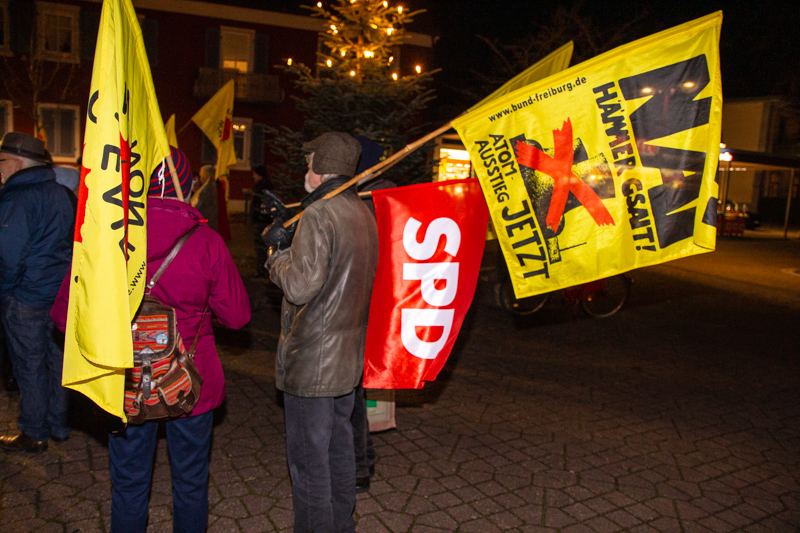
[
  {"x": 24, "y": 145},
  {"x": 334, "y": 153}
]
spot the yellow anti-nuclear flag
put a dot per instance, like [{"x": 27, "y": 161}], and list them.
[
  {"x": 552, "y": 63},
  {"x": 607, "y": 166},
  {"x": 124, "y": 141},
  {"x": 215, "y": 120},
  {"x": 172, "y": 138}
]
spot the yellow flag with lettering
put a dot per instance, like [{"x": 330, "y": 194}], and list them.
[
  {"x": 124, "y": 142},
  {"x": 554, "y": 62},
  {"x": 215, "y": 120},
  {"x": 607, "y": 166}
]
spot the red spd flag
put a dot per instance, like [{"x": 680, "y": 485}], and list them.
[{"x": 431, "y": 242}]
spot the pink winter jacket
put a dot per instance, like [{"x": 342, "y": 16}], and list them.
[{"x": 202, "y": 273}]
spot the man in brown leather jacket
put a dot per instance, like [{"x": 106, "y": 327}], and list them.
[{"x": 326, "y": 276}]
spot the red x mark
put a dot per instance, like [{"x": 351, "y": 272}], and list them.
[{"x": 564, "y": 180}]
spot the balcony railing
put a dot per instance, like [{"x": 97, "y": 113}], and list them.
[{"x": 250, "y": 87}]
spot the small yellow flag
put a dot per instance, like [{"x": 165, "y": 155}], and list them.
[
  {"x": 607, "y": 166},
  {"x": 170, "y": 127},
  {"x": 124, "y": 142},
  {"x": 215, "y": 120}
]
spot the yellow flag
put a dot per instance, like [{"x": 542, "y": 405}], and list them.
[
  {"x": 215, "y": 120},
  {"x": 607, "y": 166},
  {"x": 124, "y": 141},
  {"x": 172, "y": 139},
  {"x": 554, "y": 62}
]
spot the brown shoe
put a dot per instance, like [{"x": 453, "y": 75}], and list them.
[{"x": 22, "y": 443}]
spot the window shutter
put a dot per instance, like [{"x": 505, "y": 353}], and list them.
[
  {"x": 212, "y": 47},
  {"x": 208, "y": 154},
  {"x": 22, "y": 23},
  {"x": 150, "y": 38},
  {"x": 89, "y": 25},
  {"x": 261, "y": 59},
  {"x": 257, "y": 145}
]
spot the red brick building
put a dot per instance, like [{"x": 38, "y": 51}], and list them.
[{"x": 194, "y": 47}]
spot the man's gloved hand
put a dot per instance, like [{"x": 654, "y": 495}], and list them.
[
  {"x": 274, "y": 206},
  {"x": 276, "y": 237}
]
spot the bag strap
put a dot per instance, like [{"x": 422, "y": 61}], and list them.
[
  {"x": 199, "y": 326},
  {"x": 170, "y": 257}
]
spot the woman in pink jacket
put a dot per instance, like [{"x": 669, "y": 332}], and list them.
[{"x": 202, "y": 274}]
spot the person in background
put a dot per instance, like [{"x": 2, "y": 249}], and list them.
[
  {"x": 260, "y": 216},
  {"x": 202, "y": 276},
  {"x": 326, "y": 273},
  {"x": 371, "y": 154},
  {"x": 204, "y": 196},
  {"x": 36, "y": 221}
]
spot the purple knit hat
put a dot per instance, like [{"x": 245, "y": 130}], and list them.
[{"x": 183, "y": 170}]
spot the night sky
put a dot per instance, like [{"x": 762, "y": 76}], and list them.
[
  {"x": 760, "y": 43},
  {"x": 759, "y": 48}
]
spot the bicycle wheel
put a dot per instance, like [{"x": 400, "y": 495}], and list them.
[
  {"x": 522, "y": 306},
  {"x": 608, "y": 297}
]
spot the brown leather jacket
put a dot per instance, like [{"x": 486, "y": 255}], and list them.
[{"x": 326, "y": 277}]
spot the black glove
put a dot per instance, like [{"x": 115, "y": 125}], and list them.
[
  {"x": 273, "y": 205},
  {"x": 276, "y": 237}
]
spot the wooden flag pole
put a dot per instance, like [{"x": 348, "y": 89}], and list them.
[
  {"x": 183, "y": 128},
  {"x": 174, "y": 174},
  {"x": 383, "y": 165}
]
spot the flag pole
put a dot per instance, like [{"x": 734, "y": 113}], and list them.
[
  {"x": 174, "y": 174},
  {"x": 381, "y": 166}
]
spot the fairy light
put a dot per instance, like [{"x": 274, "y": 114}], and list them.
[
  {"x": 344, "y": 53},
  {"x": 289, "y": 61},
  {"x": 391, "y": 58},
  {"x": 394, "y": 76},
  {"x": 418, "y": 68},
  {"x": 329, "y": 62},
  {"x": 319, "y": 4},
  {"x": 385, "y": 3},
  {"x": 352, "y": 73},
  {"x": 369, "y": 53},
  {"x": 400, "y": 9},
  {"x": 389, "y": 30}
]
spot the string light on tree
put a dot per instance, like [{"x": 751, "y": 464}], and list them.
[{"x": 358, "y": 87}]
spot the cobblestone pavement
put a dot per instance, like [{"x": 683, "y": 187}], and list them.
[{"x": 681, "y": 413}]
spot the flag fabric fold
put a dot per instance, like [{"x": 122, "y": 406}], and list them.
[
  {"x": 607, "y": 166},
  {"x": 124, "y": 141},
  {"x": 431, "y": 240},
  {"x": 215, "y": 121}
]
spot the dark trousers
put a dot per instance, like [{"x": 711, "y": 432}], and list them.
[
  {"x": 131, "y": 454},
  {"x": 319, "y": 447},
  {"x": 38, "y": 361},
  {"x": 364, "y": 450}
]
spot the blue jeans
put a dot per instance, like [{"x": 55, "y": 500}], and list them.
[
  {"x": 38, "y": 361},
  {"x": 131, "y": 454},
  {"x": 319, "y": 447}
]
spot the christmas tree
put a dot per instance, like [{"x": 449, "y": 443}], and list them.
[{"x": 357, "y": 87}]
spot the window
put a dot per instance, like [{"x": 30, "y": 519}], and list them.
[
  {"x": 236, "y": 49},
  {"x": 5, "y": 50},
  {"x": 6, "y": 117},
  {"x": 58, "y": 32},
  {"x": 243, "y": 133},
  {"x": 241, "y": 142},
  {"x": 61, "y": 127}
]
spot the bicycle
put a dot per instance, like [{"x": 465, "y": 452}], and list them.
[{"x": 599, "y": 299}]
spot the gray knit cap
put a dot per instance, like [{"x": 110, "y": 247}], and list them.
[{"x": 334, "y": 153}]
